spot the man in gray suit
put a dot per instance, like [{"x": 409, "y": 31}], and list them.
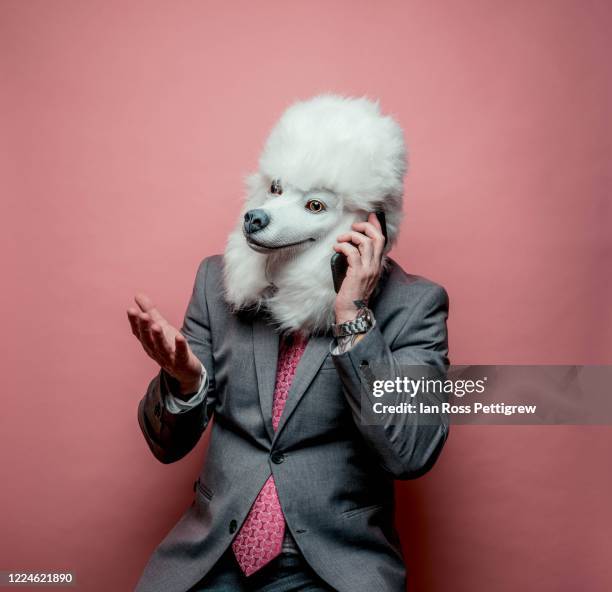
[{"x": 296, "y": 493}]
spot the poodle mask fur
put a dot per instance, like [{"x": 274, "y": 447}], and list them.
[{"x": 327, "y": 163}]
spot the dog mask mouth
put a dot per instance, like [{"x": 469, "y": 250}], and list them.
[{"x": 260, "y": 247}]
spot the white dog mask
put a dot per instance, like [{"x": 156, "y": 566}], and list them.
[{"x": 327, "y": 163}]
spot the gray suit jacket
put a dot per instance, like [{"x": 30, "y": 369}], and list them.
[{"x": 334, "y": 475}]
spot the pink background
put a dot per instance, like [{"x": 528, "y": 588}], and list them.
[{"x": 127, "y": 128}]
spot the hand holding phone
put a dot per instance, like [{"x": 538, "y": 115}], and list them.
[{"x": 339, "y": 263}]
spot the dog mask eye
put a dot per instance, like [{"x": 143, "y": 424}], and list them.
[
  {"x": 315, "y": 206},
  {"x": 276, "y": 187}
]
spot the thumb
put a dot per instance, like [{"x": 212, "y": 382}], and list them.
[{"x": 182, "y": 350}]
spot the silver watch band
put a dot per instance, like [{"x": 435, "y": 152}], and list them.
[
  {"x": 354, "y": 327},
  {"x": 362, "y": 323}
]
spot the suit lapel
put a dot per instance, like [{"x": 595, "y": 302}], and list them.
[
  {"x": 312, "y": 358},
  {"x": 265, "y": 348}
]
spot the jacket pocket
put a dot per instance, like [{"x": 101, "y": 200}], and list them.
[
  {"x": 203, "y": 490},
  {"x": 361, "y": 510}
]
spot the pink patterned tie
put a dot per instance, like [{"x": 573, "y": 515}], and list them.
[{"x": 260, "y": 538}]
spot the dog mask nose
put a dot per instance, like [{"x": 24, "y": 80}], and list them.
[{"x": 255, "y": 220}]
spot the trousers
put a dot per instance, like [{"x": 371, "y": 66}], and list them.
[{"x": 288, "y": 572}]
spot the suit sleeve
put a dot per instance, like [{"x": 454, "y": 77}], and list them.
[
  {"x": 171, "y": 436},
  {"x": 407, "y": 445}
]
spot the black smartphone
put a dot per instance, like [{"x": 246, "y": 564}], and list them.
[{"x": 339, "y": 264}]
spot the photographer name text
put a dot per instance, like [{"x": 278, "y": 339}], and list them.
[{"x": 448, "y": 408}]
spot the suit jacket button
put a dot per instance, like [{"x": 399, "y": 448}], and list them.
[
  {"x": 363, "y": 364},
  {"x": 277, "y": 458},
  {"x": 233, "y": 525}
]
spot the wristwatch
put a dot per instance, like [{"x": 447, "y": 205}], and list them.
[{"x": 362, "y": 323}]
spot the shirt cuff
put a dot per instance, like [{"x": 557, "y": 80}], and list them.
[
  {"x": 175, "y": 405},
  {"x": 344, "y": 344}
]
